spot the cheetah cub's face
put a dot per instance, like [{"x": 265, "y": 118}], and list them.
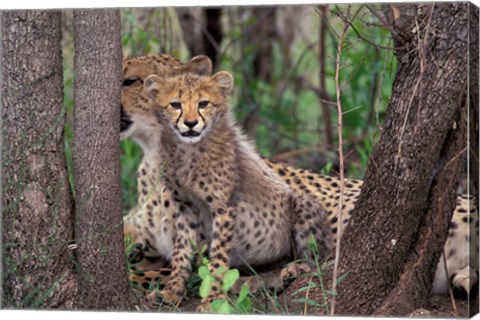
[
  {"x": 137, "y": 121},
  {"x": 190, "y": 104}
]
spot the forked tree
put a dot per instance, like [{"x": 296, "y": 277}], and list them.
[{"x": 394, "y": 239}]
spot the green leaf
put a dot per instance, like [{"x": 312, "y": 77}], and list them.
[
  {"x": 216, "y": 305},
  {"x": 311, "y": 285},
  {"x": 206, "y": 285},
  {"x": 340, "y": 279},
  {"x": 204, "y": 261},
  {"x": 245, "y": 306},
  {"x": 221, "y": 306},
  {"x": 203, "y": 272},
  {"x": 308, "y": 301},
  {"x": 330, "y": 292},
  {"x": 243, "y": 293},
  {"x": 229, "y": 279},
  {"x": 327, "y": 169},
  {"x": 220, "y": 270}
]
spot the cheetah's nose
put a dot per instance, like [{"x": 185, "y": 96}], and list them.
[{"x": 190, "y": 124}]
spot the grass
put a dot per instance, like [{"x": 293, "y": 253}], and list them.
[
  {"x": 263, "y": 302},
  {"x": 130, "y": 159}
]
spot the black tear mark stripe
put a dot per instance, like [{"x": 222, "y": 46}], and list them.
[
  {"x": 201, "y": 116},
  {"x": 178, "y": 119}
]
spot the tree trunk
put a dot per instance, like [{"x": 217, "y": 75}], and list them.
[
  {"x": 391, "y": 246},
  {"x": 262, "y": 40},
  {"x": 103, "y": 282},
  {"x": 191, "y": 23},
  {"x": 473, "y": 124},
  {"x": 322, "y": 90},
  {"x": 37, "y": 203},
  {"x": 474, "y": 105},
  {"x": 409, "y": 191},
  {"x": 202, "y": 30},
  {"x": 213, "y": 35}
]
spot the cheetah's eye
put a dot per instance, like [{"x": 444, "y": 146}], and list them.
[
  {"x": 176, "y": 105},
  {"x": 203, "y": 104},
  {"x": 129, "y": 82}
]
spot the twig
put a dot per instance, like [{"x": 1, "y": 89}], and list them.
[
  {"x": 378, "y": 46},
  {"x": 272, "y": 302},
  {"x": 341, "y": 165},
  {"x": 386, "y": 24},
  {"x": 178, "y": 303},
  {"x": 306, "y": 297}
]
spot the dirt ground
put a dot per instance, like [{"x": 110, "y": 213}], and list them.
[{"x": 440, "y": 307}]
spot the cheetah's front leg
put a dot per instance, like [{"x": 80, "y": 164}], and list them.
[
  {"x": 188, "y": 235},
  {"x": 222, "y": 235}
]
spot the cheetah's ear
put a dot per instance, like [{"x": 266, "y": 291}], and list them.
[
  {"x": 155, "y": 86},
  {"x": 224, "y": 80},
  {"x": 201, "y": 65}
]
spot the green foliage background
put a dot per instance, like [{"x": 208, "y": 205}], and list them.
[{"x": 288, "y": 112}]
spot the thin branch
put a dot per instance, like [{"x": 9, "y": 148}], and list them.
[
  {"x": 386, "y": 24},
  {"x": 378, "y": 46},
  {"x": 332, "y": 29},
  {"x": 305, "y": 308},
  {"x": 341, "y": 165}
]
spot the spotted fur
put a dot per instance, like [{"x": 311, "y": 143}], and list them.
[
  {"x": 222, "y": 187},
  {"x": 461, "y": 247}
]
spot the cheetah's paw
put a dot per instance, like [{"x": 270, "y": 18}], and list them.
[{"x": 166, "y": 296}]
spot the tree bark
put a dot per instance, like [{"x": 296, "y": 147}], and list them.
[
  {"x": 261, "y": 39},
  {"x": 395, "y": 236},
  {"x": 473, "y": 124},
  {"x": 408, "y": 195},
  {"x": 213, "y": 35},
  {"x": 191, "y": 23},
  {"x": 474, "y": 105},
  {"x": 37, "y": 203},
  {"x": 103, "y": 281},
  {"x": 322, "y": 90},
  {"x": 202, "y": 31}
]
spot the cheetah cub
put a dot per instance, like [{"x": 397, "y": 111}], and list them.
[{"x": 246, "y": 212}]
